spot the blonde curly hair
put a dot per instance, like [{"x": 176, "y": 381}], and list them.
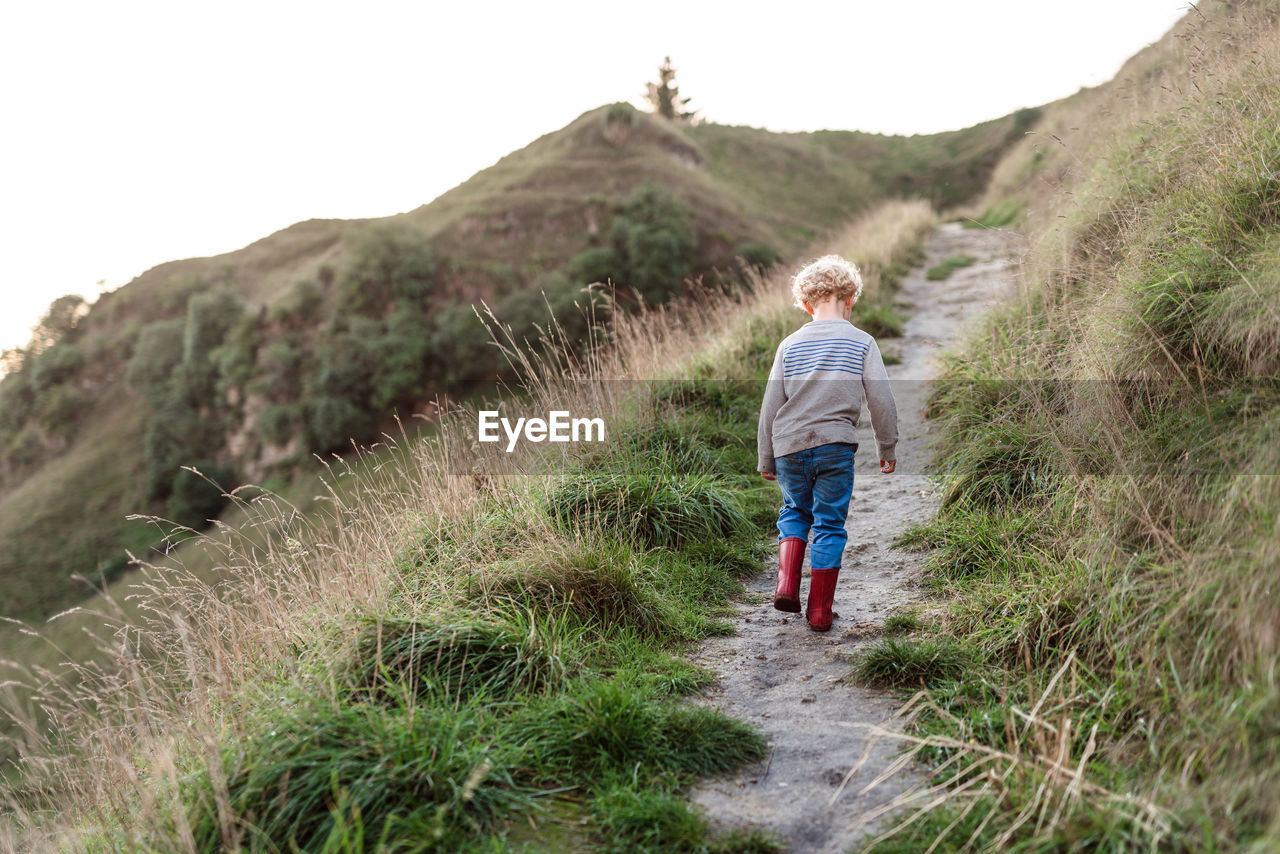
[{"x": 829, "y": 276}]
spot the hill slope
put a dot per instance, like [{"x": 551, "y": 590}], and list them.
[
  {"x": 245, "y": 364},
  {"x": 1108, "y": 535}
]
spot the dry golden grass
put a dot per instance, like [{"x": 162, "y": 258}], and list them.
[{"x": 1147, "y": 306}]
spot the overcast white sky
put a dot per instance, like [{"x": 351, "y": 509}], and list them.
[{"x": 140, "y": 132}]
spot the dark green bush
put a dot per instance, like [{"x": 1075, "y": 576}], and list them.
[
  {"x": 235, "y": 359},
  {"x": 60, "y": 409},
  {"x": 60, "y": 322},
  {"x": 553, "y": 311},
  {"x": 279, "y": 422},
  {"x": 598, "y": 264},
  {"x": 17, "y": 397},
  {"x": 193, "y": 499},
  {"x": 210, "y": 316},
  {"x": 340, "y": 393},
  {"x": 300, "y": 309},
  {"x": 158, "y": 350},
  {"x": 334, "y": 422},
  {"x": 757, "y": 255},
  {"x": 465, "y": 348},
  {"x": 400, "y": 356},
  {"x": 653, "y": 233},
  {"x": 280, "y": 369},
  {"x": 56, "y": 366},
  {"x": 391, "y": 267},
  {"x": 177, "y": 435}
]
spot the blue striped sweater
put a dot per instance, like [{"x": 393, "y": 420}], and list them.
[{"x": 821, "y": 375}]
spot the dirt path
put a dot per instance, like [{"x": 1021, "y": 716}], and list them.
[{"x": 789, "y": 680}]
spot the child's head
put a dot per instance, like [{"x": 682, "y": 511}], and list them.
[{"x": 829, "y": 276}]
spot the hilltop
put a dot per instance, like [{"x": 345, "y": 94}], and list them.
[{"x": 247, "y": 364}]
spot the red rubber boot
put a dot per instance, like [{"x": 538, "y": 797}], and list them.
[
  {"x": 790, "y": 556},
  {"x": 822, "y": 592}
]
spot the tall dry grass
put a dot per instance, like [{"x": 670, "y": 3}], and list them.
[
  {"x": 1112, "y": 475},
  {"x": 104, "y": 758}
]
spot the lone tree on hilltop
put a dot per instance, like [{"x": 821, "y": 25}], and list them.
[{"x": 665, "y": 95}]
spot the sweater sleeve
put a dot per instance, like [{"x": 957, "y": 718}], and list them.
[
  {"x": 774, "y": 396},
  {"x": 884, "y": 411}
]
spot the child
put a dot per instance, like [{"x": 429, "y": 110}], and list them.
[{"x": 807, "y": 439}]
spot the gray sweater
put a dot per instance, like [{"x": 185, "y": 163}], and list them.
[{"x": 821, "y": 374}]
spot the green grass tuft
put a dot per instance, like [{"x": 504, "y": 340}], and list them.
[
  {"x": 878, "y": 320},
  {"x": 997, "y": 215},
  {"x": 903, "y": 623},
  {"x": 902, "y": 663},
  {"x": 496, "y": 659},
  {"x": 439, "y": 777},
  {"x": 944, "y": 269},
  {"x": 657, "y": 508}
]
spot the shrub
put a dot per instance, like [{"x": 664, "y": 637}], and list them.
[
  {"x": 391, "y": 266},
  {"x": 235, "y": 358},
  {"x": 17, "y": 397},
  {"x": 61, "y": 408},
  {"x": 300, "y": 308},
  {"x": 279, "y": 422},
  {"x": 334, "y": 422},
  {"x": 158, "y": 349},
  {"x": 194, "y": 500},
  {"x": 758, "y": 256},
  {"x": 554, "y": 311},
  {"x": 399, "y": 360},
  {"x": 653, "y": 243},
  {"x": 60, "y": 322},
  {"x": 177, "y": 435},
  {"x": 463, "y": 339},
  {"x": 58, "y": 365},
  {"x": 210, "y": 316},
  {"x": 598, "y": 264},
  {"x": 279, "y": 370}
]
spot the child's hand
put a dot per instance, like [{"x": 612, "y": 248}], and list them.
[
  {"x": 768, "y": 475},
  {"x": 887, "y": 466}
]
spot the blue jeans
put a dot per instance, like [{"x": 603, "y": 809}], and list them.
[{"x": 816, "y": 486}]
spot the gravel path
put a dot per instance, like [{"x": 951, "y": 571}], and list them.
[{"x": 790, "y": 681}]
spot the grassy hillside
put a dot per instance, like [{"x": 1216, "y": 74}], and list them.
[
  {"x": 445, "y": 662},
  {"x": 1103, "y": 672},
  {"x": 246, "y": 365}
]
